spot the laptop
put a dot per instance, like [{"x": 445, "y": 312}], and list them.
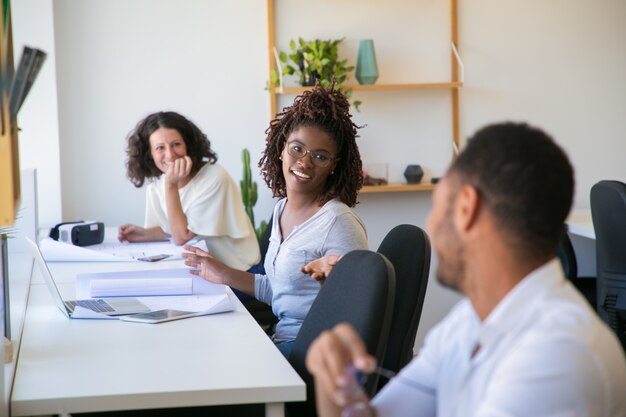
[{"x": 114, "y": 306}]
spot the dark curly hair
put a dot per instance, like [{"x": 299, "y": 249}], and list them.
[
  {"x": 327, "y": 109},
  {"x": 140, "y": 165},
  {"x": 524, "y": 178}
]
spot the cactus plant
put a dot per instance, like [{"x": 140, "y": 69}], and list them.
[{"x": 249, "y": 193}]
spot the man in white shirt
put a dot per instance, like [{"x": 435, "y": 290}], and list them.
[{"x": 523, "y": 341}]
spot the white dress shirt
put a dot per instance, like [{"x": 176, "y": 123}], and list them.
[{"x": 543, "y": 352}]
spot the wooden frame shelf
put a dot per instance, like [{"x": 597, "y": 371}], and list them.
[
  {"x": 453, "y": 86},
  {"x": 379, "y": 87},
  {"x": 396, "y": 188}
]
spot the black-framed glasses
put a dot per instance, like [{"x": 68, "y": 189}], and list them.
[{"x": 319, "y": 158}]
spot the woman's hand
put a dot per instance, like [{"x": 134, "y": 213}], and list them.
[
  {"x": 320, "y": 268},
  {"x": 134, "y": 233},
  {"x": 178, "y": 171},
  {"x": 207, "y": 267}
]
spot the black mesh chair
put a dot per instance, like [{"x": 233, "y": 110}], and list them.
[
  {"x": 567, "y": 256},
  {"x": 261, "y": 311},
  {"x": 408, "y": 249},
  {"x": 360, "y": 290},
  {"x": 608, "y": 211}
]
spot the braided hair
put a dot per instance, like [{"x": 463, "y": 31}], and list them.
[{"x": 326, "y": 108}]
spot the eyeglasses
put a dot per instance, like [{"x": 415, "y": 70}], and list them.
[{"x": 319, "y": 158}]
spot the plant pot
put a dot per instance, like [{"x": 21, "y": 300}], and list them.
[
  {"x": 307, "y": 78},
  {"x": 413, "y": 174}
]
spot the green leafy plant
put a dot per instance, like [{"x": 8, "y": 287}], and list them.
[
  {"x": 315, "y": 60},
  {"x": 249, "y": 193}
]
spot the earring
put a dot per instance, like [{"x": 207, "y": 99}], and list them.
[
  {"x": 332, "y": 172},
  {"x": 280, "y": 157}
]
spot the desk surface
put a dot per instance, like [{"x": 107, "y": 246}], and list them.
[
  {"x": 70, "y": 366},
  {"x": 579, "y": 223}
]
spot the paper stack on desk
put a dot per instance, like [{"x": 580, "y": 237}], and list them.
[{"x": 175, "y": 289}]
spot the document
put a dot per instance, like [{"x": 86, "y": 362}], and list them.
[
  {"x": 203, "y": 298},
  {"x": 153, "y": 282},
  {"x": 112, "y": 250},
  {"x": 201, "y": 304}
]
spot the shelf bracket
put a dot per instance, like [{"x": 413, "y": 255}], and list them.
[{"x": 459, "y": 62}]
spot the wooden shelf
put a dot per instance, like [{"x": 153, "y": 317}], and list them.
[
  {"x": 379, "y": 87},
  {"x": 397, "y": 188}
]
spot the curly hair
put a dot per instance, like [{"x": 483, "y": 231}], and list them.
[
  {"x": 328, "y": 110},
  {"x": 140, "y": 165},
  {"x": 524, "y": 178}
]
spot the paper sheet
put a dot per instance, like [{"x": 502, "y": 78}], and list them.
[
  {"x": 176, "y": 281},
  {"x": 137, "y": 287},
  {"x": 202, "y": 304},
  {"x": 111, "y": 250}
]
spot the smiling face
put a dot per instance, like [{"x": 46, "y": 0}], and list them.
[
  {"x": 302, "y": 175},
  {"x": 166, "y": 145}
]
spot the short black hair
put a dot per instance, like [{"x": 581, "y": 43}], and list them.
[
  {"x": 524, "y": 179},
  {"x": 328, "y": 109},
  {"x": 139, "y": 163}
]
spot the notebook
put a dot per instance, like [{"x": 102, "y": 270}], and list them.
[{"x": 114, "y": 306}]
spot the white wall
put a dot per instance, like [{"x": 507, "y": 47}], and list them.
[{"x": 557, "y": 64}]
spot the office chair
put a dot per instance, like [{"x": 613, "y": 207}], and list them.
[
  {"x": 360, "y": 290},
  {"x": 408, "y": 249},
  {"x": 261, "y": 311},
  {"x": 567, "y": 256},
  {"x": 608, "y": 211}
]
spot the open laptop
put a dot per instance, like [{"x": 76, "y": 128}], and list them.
[{"x": 114, "y": 306}]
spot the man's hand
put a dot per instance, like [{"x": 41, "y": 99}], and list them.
[
  {"x": 332, "y": 360},
  {"x": 320, "y": 268}
]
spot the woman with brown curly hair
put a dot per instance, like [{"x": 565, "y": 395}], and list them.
[
  {"x": 312, "y": 162},
  {"x": 188, "y": 194}
]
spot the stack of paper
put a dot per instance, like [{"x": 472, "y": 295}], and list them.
[{"x": 159, "y": 289}]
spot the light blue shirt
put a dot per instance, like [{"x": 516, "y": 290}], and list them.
[{"x": 334, "y": 230}]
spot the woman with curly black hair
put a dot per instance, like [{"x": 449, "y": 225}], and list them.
[
  {"x": 188, "y": 194},
  {"x": 312, "y": 162}
]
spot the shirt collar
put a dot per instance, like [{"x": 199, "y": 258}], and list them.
[{"x": 516, "y": 307}]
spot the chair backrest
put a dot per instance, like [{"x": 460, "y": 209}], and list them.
[
  {"x": 359, "y": 290},
  {"x": 264, "y": 241},
  {"x": 567, "y": 256},
  {"x": 608, "y": 211},
  {"x": 408, "y": 249}
]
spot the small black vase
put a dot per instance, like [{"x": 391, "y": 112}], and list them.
[{"x": 413, "y": 174}]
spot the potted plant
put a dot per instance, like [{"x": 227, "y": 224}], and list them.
[
  {"x": 315, "y": 60},
  {"x": 249, "y": 193}
]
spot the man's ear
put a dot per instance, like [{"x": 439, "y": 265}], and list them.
[{"x": 467, "y": 206}]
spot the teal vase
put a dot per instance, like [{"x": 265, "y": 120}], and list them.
[{"x": 366, "y": 68}]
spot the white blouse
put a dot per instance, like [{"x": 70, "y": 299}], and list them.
[{"x": 214, "y": 209}]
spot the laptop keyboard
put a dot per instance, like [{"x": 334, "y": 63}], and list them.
[{"x": 100, "y": 306}]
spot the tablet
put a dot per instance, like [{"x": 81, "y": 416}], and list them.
[{"x": 159, "y": 316}]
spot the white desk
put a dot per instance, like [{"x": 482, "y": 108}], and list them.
[
  {"x": 202, "y": 361},
  {"x": 580, "y": 223},
  {"x": 583, "y": 237}
]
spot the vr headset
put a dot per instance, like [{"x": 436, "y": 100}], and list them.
[{"x": 80, "y": 233}]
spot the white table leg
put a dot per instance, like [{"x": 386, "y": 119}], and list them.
[{"x": 275, "y": 410}]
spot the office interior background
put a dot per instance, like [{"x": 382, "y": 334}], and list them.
[{"x": 557, "y": 64}]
